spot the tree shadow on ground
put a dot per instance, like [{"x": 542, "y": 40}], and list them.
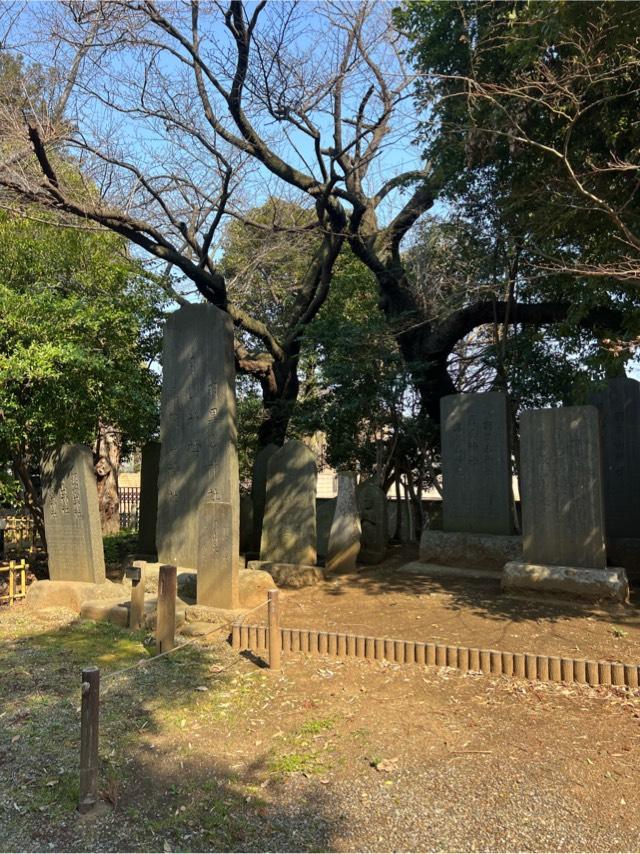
[
  {"x": 480, "y": 597},
  {"x": 175, "y": 774}
]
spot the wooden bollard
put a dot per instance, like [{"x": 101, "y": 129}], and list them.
[
  {"x": 136, "y": 611},
  {"x": 89, "y": 730},
  {"x": 166, "y": 625},
  {"x": 235, "y": 636},
  {"x": 275, "y": 647}
]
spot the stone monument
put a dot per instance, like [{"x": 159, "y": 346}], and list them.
[
  {"x": 344, "y": 538},
  {"x": 372, "y": 504},
  {"x": 619, "y": 407},
  {"x": 71, "y": 516},
  {"x": 478, "y": 508},
  {"x": 289, "y": 523},
  {"x": 217, "y": 585},
  {"x": 198, "y": 457},
  {"x": 148, "y": 514},
  {"x": 259, "y": 491},
  {"x": 562, "y": 507}
]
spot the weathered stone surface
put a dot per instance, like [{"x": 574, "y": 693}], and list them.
[
  {"x": 215, "y": 616},
  {"x": 254, "y": 586},
  {"x": 561, "y": 488},
  {"x": 372, "y": 504},
  {"x": 217, "y": 566},
  {"x": 97, "y": 609},
  {"x": 440, "y": 571},
  {"x": 149, "y": 497},
  {"x": 198, "y": 458},
  {"x": 259, "y": 492},
  {"x": 71, "y": 516},
  {"x": 344, "y": 539},
  {"x": 292, "y": 575},
  {"x": 325, "y": 510},
  {"x": 289, "y": 524},
  {"x": 473, "y": 551},
  {"x": 476, "y": 464},
  {"x": 71, "y": 594},
  {"x": 619, "y": 408},
  {"x": 246, "y": 524},
  {"x": 577, "y": 583}
]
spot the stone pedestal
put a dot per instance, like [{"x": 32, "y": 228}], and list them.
[
  {"x": 589, "y": 584},
  {"x": 71, "y": 516},
  {"x": 469, "y": 551}
]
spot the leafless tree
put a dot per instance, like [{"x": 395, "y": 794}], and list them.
[{"x": 180, "y": 114}]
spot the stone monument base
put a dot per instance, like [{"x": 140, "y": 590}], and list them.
[
  {"x": 293, "y": 575},
  {"x": 588, "y": 584},
  {"x": 433, "y": 570},
  {"x": 71, "y": 594},
  {"x": 472, "y": 551}
]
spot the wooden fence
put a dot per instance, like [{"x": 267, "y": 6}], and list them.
[
  {"x": 129, "y": 507},
  {"x": 543, "y": 668}
]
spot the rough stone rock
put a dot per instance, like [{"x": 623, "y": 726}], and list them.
[
  {"x": 71, "y": 594},
  {"x": 344, "y": 539},
  {"x": 97, "y": 609},
  {"x": 473, "y": 551},
  {"x": 254, "y": 586},
  {"x": 213, "y": 616},
  {"x": 437, "y": 571},
  {"x": 575, "y": 582},
  {"x": 196, "y": 630},
  {"x": 292, "y": 575}
]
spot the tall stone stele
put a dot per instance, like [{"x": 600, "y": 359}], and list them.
[
  {"x": 149, "y": 471},
  {"x": 198, "y": 434},
  {"x": 619, "y": 407},
  {"x": 71, "y": 516},
  {"x": 562, "y": 508},
  {"x": 372, "y": 504},
  {"x": 478, "y": 509},
  {"x": 289, "y": 523},
  {"x": 344, "y": 537},
  {"x": 259, "y": 491}
]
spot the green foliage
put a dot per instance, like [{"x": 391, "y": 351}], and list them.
[
  {"x": 78, "y": 333},
  {"x": 118, "y": 546}
]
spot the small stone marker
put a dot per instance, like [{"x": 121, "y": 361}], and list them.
[
  {"x": 198, "y": 458},
  {"x": 71, "y": 516},
  {"x": 561, "y": 485},
  {"x": 149, "y": 497},
  {"x": 372, "y": 503},
  {"x": 217, "y": 570},
  {"x": 619, "y": 408},
  {"x": 259, "y": 491},
  {"x": 344, "y": 539},
  {"x": 476, "y": 464},
  {"x": 289, "y": 524}
]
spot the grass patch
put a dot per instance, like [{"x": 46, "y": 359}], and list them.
[
  {"x": 314, "y": 727},
  {"x": 296, "y": 763}
]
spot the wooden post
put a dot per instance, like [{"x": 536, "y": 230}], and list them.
[
  {"x": 23, "y": 578},
  {"x": 12, "y": 567},
  {"x": 166, "y": 625},
  {"x": 136, "y": 612},
  {"x": 275, "y": 641},
  {"x": 89, "y": 730}
]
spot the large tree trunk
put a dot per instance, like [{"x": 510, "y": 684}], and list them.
[
  {"x": 107, "y": 466},
  {"x": 279, "y": 395}
]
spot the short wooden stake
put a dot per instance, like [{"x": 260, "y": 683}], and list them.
[
  {"x": 275, "y": 646},
  {"x": 235, "y": 636},
  {"x": 136, "y": 611},
  {"x": 89, "y": 731},
  {"x": 166, "y": 625}
]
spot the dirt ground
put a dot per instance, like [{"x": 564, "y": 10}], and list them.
[
  {"x": 383, "y": 602},
  {"x": 206, "y": 750}
]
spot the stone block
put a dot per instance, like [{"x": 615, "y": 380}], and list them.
[
  {"x": 572, "y": 582},
  {"x": 292, "y": 575},
  {"x": 476, "y": 464},
  {"x": 148, "y": 514},
  {"x": 473, "y": 551},
  {"x": 198, "y": 457},
  {"x": 71, "y": 516},
  {"x": 372, "y": 505},
  {"x": 254, "y": 586},
  {"x": 97, "y": 609},
  {"x": 619, "y": 408},
  {"x": 289, "y": 523},
  {"x": 71, "y": 594},
  {"x": 344, "y": 538},
  {"x": 561, "y": 488}
]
